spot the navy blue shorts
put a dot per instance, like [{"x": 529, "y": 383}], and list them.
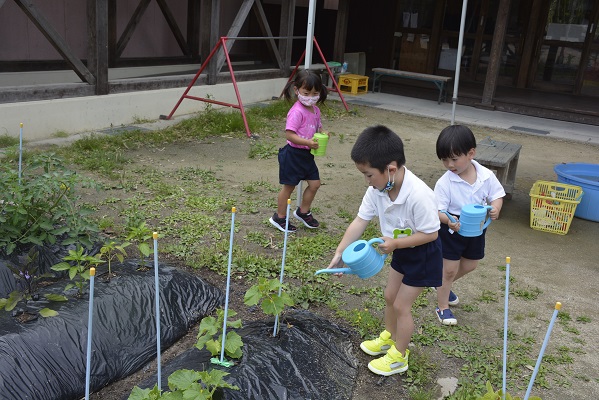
[
  {"x": 456, "y": 246},
  {"x": 421, "y": 266},
  {"x": 296, "y": 165}
]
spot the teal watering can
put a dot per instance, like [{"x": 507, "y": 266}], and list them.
[
  {"x": 474, "y": 219},
  {"x": 361, "y": 258}
]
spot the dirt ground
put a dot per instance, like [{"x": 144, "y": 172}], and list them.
[{"x": 560, "y": 268}]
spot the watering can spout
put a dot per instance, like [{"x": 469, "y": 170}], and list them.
[{"x": 333, "y": 271}]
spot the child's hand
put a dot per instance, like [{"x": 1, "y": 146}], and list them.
[
  {"x": 336, "y": 262},
  {"x": 388, "y": 245},
  {"x": 493, "y": 213},
  {"x": 454, "y": 226},
  {"x": 313, "y": 144}
]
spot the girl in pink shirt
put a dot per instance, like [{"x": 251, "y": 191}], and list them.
[{"x": 296, "y": 163}]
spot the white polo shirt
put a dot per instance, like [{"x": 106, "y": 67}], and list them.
[
  {"x": 453, "y": 192},
  {"x": 415, "y": 207}
]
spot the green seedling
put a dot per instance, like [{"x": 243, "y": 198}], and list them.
[
  {"x": 210, "y": 335},
  {"x": 79, "y": 271},
  {"x": 186, "y": 384},
  {"x": 112, "y": 250}
]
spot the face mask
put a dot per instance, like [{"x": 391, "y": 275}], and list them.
[
  {"x": 390, "y": 185},
  {"x": 308, "y": 101}
]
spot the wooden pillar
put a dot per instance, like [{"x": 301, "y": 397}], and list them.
[
  {"x": 531, "y": 42},
  {"x": 209, "y": 34},
  {"x": 496, "y": 51},
  {"x": 435, "y": 38},
  {"x": 193, "y": 28},
  {"x": 97, "y": 60},
  {"x": 112, "y": 34},
  {"x": 341, "y": 30},
  {"x": 286, "y": 29}
]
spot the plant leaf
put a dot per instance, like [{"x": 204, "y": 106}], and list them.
[{"x": 47, "y": 312}]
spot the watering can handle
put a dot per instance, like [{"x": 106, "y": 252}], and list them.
[
  {"x": 377, "y": 240},
  {"x": 488, "y": 218},
  {"x": 334, "y": 271},
  {"x": 451, "y": 218}
]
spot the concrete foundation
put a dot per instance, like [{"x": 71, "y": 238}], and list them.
[{"x": 47, "y": 118}]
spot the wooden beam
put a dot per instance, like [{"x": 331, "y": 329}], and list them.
[
  {"x": 240, "y": 18},
  {"x": 112, "y": 33},
  {"x": 97, "y": 29},
  {"x": 193, "y": 27},
  {"x": 131, "y": 26},
  {"x": 286, "y": 29},
  {"x": 496, "y": 51},
  {"x": 209, "y": 34},
  {"x": 341, "y": 30},
  {"x": 432, "y": 60},
  {"x": 56, "y": 40},
  {"x": 529, "y": 45},
  {"x": 172, "y": 23},
  {"x": 266, "y": 31}
]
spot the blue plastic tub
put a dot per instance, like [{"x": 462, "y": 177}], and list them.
[{"x": 587, "y": 177}]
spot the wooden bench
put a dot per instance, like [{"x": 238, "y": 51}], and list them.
[
  {"x": 439, "y": 81},
  {"x": 501, "y": 157}
]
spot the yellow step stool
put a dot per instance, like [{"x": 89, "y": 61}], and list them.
[{"x": 353, "y": 84}]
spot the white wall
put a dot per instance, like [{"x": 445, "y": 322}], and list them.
[{"x": 43, "y": 119}]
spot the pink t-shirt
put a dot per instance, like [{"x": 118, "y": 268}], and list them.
[{"x": 303, "y": 122}]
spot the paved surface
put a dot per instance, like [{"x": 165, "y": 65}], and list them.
[
  {"x": 428, "y": 108},
  {"x": 470, "y": 115}
]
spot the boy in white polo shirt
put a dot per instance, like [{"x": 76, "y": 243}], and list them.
[
  {"x": 401, "y": 201},
  {"x": 464, "y": 182}
]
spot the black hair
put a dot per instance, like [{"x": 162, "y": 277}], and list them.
[
  {"x": 306, "y": 79},
  {"x": 455, "y": 140},
  {"x": 378, "y": 146}
]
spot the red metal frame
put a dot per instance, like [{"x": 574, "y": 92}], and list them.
[
  {"x": 335, "y": 89},
  {"x": 222, "y": 42}
]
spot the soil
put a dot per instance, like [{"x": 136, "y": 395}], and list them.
[{"x": 558, "y": 268}]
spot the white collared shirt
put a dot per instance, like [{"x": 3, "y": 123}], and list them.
[
  {"x": 453, "y": 192},
  {"x": 415, "y": 207}
]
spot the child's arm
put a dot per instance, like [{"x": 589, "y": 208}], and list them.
[
  {"x": 353, "y": 232},
  {"x": 496, "y": 204},
  {"x": 296, "y": 139},
  {"x": 417, "y": 239}
]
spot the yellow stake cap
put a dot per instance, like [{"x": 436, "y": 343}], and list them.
[
  {"x": 558, "y": 306},
  {"x": 155, "y": 235},
  {"x": 288, "y": 201},
  {"x": 21, "y": 124},
  {"x": 508, "y": 259},
  {"x": 92, "y": 271},
  {"x": 233, "y": 209}
]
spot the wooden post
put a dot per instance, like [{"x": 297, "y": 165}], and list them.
[
  {"x": 193, "y": 28},
  {"x": 496, "y": 51},
  {"x": 209, "y": 33},
  {"x": 97, "y": 28},
  {"x": 286, "y": 29},
  {"x": 341, "y": 31}
]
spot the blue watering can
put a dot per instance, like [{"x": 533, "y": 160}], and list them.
[
  {"x": 474, "y": 219},
  {"x": 361, "y": 258}
]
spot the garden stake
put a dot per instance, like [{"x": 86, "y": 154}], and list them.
[
  {"x": 505, "y": 308},
  {"x": 157, "y": 295},
  {"x": 20, "y": 150},
  {"x": 276, "y": 327},
  {"x": 92, "y": 274},
  {"x": 558, "y": 306},
  {"x": 222, "y": 360}
]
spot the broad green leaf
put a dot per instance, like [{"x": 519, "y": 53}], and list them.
[
  {"x": 55, "y": 297},
  {"x": 61, "y": 266},
  {"x": 183, "y": 379},
  {"x": 252, "y": 296},
  {"x": 213, "y": 346},
  {"x": 46, "y": 312},
  {"x": 144, "y": 248},
  {"x": 139, "y": 394}
]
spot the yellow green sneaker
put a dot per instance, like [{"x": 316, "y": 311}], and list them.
[
  {"x": 379, "y": 345},
  {"x": 391, "y": 363}
]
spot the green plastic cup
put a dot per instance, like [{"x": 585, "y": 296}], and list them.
[{"x": 322, "y": 140}]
